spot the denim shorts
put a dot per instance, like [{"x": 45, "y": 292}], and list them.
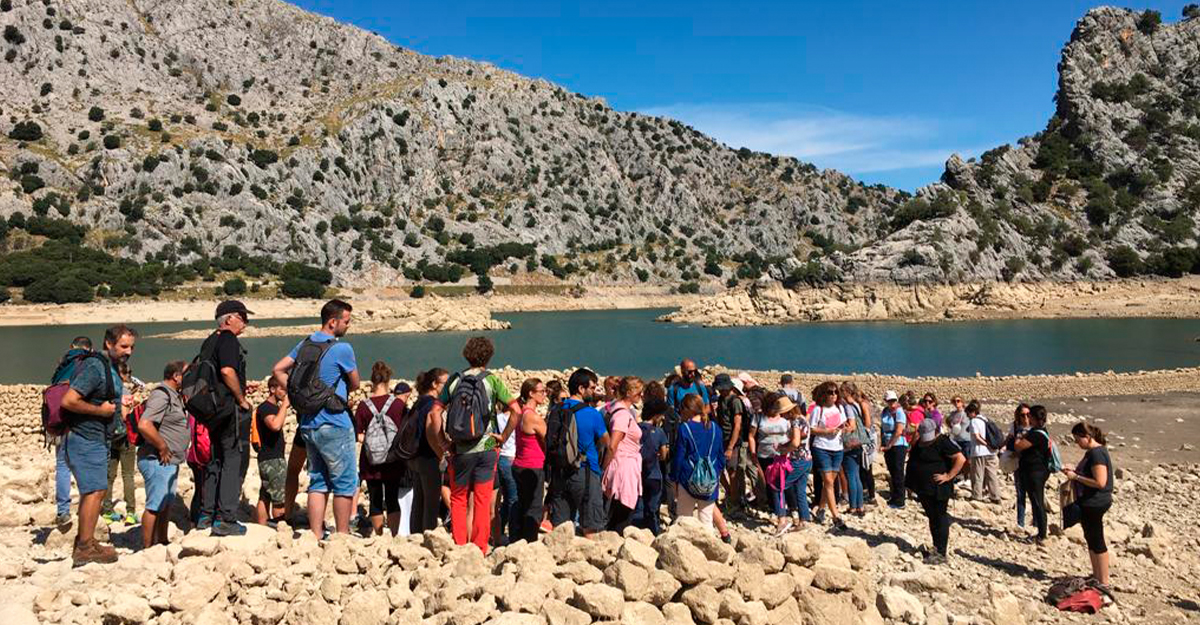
[
  {"x": 160, "y": 483},
  {"x": 827, "y": 461},
  {"x": 88, "y": 461},
  {"x": 332, "y": 465}
]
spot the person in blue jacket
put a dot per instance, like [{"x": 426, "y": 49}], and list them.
[{"x": 697, "y": 461}]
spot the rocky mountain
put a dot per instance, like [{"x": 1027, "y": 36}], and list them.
[{"x": 178, "y": 131}]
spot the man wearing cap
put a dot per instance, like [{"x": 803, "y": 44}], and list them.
[
  {"x": 230, "y": 436},
  {"x": 732, "y": 417},
  {"x": 892, "y": 423}
]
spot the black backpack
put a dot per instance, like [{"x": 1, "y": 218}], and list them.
[
  {"x": 407, "y": 443},
  {"x": 562, "y": 437},
  {"x": 306, "y": 391},
  {"x": 470, "y": 408},
  {"x": 992, "y": 434},
  {"x": 205, "y": 395}
]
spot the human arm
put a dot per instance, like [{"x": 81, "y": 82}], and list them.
[
  {"x": 156, "y": 407},
  {"x": 74, "y": 402},
  {"x": 734, "y": 434},
  {"x": 959, "y": 462},
  {"x": 613, "y": 442},
  {"x": 864, "y": 406},
  {"x": 898, "y": 422},
  {"x": 752, "y": 441},
  {"x": 1022, "y": 442},
  {"x": 274, "y": 422},
  {"x": 433, "y": 430},
  {"x": 230, "y": 377},
  {"x": 1098, "y": 479},
  {"x": 282, "y": 368}
]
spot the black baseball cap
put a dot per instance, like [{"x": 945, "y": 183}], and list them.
[
  {"x": 401, "y": 388},
  {"x": 232, "y": 306}
]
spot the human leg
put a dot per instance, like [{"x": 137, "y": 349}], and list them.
[
  {"x": 128, "y": 461},
  {"x": 1035, "y": 487},
  {"x": 619, "y": 516},
  {"x": 426, "y": 495},
  {"x": 391, "y": 504},
  {"x": 798, "y": 487},
  {"x": 297, "y": 458},
  {"x": 851, "y": 463},
  {"x": 894, "y": 458},
  {"x": 62, "y": 481},
  {"x": 651, "y": 504},
  {"x": 1021, "y": 497},
  {"x": 991, "y": 478},
  {"x": 508, "y": 494},
  {"x": 88, "y": 463},
  {"x": 375, "y": 505},
  {"x": 1092, "y": 522},
  {"x": 527, "y": 511}
]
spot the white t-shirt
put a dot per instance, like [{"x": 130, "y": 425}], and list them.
[
  {"x": 980, "y": 450},
  {"x": 828, "y": 418},
  {"x": 509, "y": 449}
]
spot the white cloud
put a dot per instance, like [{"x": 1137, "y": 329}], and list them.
[{"x": 849, "y": 142}]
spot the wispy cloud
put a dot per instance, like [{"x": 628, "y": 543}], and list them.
[{"x": 849, "y": 142}]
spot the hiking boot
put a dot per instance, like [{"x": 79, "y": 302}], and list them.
[
  {"x": 130, "y": 520},
  {"x": 204, "y": 522},
  {"x": 92, "y": 551},
  {"x": 112, "y": 517},
  {"x": 545, "y": 527},
  {"x": 934, "y": 559},
  {"x": 63, "y": 522},
  {"x": 226, "y": 528}
]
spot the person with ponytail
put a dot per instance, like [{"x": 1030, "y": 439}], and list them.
[
  {"x": 529, "y": 463},
  {"x": 383, "y": 480},
  {"x": 622, "y": 477},
  {"x": 427, "y": 475},
  {"x": 1092, "y": 479}
]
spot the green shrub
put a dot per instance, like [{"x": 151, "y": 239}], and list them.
[
  {"x": 689, "y": 287},
  {"x": 31, "y": 183},
  {"x": 920, "y": 209},
  {"x": 1191, "y": 11},
  {"x": 112, "y": 142},
  {"x": 4, "y": 295},
  {"x": 262, "y": 158},
  {"x": 1124, "y": 261},
  {"x": 814, "y": 273},
  {"x": 25, "y": 131},
  {"x": 642, "y": 274},
  {"x": 417, "y": 292},
  {"x": 13, "y": 36},
  {"x": 233, "y": 99},
  {"x": 59, "y": 290},
  {"x": 96, "y": 114},
  {"x": 301, "y": 288},
  {"x": 485, "y": 283},
  {"x": 235, "y": 286}
]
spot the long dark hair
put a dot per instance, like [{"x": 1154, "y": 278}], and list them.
[
  {"x": 427, "y": 379},
  {"x": 1083, "y": 428},
  {"x": 1037, "y": 417}
]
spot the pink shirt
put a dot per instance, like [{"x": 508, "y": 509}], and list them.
[{"x": 531, "y": 452}]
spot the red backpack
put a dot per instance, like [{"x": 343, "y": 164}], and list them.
[{"x": 200, "y": 450}]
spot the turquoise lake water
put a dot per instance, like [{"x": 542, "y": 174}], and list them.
[{"x": 631, "y": 342}]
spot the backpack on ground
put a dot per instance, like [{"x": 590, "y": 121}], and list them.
[
  {"x": 56, "y": 420},
  {"x": 702, "y": 483},
  {"x": 199, "y": 451},
  {"x": 204, "y": 393},
  {"x": 470, "y": 408},
  {"x": 562, "y": 437},
  {"x": 380, "y": 436},
  {"x": 306, "y": 391},
  {"x": 992, "y": 434}
]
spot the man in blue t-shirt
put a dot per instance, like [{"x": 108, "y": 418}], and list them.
[
  {"x": 689, "y": 383},
  {"x": 92, "y": 405},
  {"x": 329, "y": 433},
  {"x": 577, "y": 491}
]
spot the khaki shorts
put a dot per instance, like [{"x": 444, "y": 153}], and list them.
[{"x": 274, "y": 476}]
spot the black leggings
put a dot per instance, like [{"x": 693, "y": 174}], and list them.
[
  {"x": 1092, "y": 522},
  {"x": 936, "y": 510},
  {"x": 618, "y": 516},
  {"x": 1034, "y": 483},
  {"x": 868, "y": 480},
  {"x": 384, "y": 495},
  {"x": 527, "y": 514},
  {"x": 894, "y": 458}
]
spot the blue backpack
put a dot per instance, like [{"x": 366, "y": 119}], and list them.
[{"x": 705, "y": 478}]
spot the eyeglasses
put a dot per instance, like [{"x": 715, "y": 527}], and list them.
[{"x": 539, "y": 390}]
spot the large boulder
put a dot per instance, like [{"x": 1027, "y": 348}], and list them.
[{"x": 897, "y": 604}]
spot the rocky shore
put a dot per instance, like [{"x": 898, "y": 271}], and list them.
[
  {"x": 932, "y": 303},
  {"x": 870, "y": 574}
]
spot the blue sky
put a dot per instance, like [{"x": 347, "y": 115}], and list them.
[{"x": 883, "y": 91}]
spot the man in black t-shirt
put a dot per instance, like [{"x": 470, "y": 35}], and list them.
[
  {"x": 223, "y": 475},
  {"x": 731, "y": 416},
  {"x": 272, "y": 467}
]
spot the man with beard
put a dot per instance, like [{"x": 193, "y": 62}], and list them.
[
  {"x": 577, "y": 490},
  {"x": 93, "y": 404},
  {"x": 328, "y": 431},
  {"x": 689, "y": 383}
]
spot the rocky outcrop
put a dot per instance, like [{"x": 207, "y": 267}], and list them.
[
  {"x": 931, "y": 303},
  {"x": 174, "y": 131}
]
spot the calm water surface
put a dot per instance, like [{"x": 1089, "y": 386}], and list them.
[{"x": 630, "y": 341}]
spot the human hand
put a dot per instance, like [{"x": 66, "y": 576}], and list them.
[
  {"x": 244, "y": 404},
  {"x": 941, "y": 478},
  {"x": 728, "y": 455},
  {"x": 164, "y": 455},
  {"x": 127, "y": 401}
]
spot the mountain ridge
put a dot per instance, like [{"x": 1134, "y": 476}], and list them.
[{"x": 173, "y": 132}]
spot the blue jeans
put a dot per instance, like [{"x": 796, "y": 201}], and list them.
[
  {"x": 62, "y": 480},
  {"x": 507, "y": 485},
  {"x": 648, "y": 505},
  {"x": 332, "y": 466},
  {"x": 797, "y": 487},
  {"x": 852, "y": 462},
  {"x": 1021, "y": 496},
  {"x": 827, "y": 461}
]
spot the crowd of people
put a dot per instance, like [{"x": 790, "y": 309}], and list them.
[{"x": 460, "y": 448}]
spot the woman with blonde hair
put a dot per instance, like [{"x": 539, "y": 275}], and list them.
[{"x": 622, "y": 478}]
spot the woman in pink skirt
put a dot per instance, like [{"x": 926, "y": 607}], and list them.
[{"x": 622, "y": 481}]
